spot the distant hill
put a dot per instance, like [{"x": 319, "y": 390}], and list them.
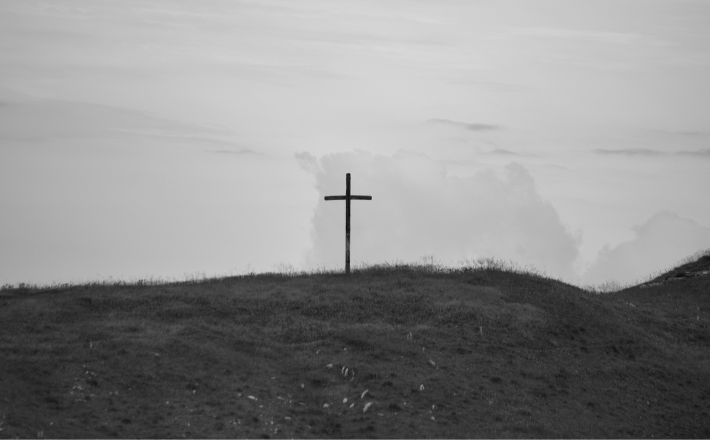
[{"x": 387, "y": 352}]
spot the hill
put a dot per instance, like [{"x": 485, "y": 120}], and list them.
[{"x": 385, "y": 352}]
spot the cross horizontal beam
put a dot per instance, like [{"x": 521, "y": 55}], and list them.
[{"x": 351, "y": 197}]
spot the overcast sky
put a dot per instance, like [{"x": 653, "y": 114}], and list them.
[{"x": 167, "y": 139}]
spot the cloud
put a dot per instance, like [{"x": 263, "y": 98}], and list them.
[
  {"x": 51, "y": 119},
  {"x": 705, "y": 152},
  {"x": 629, "y": 152},
  {"x": 504, "y": 152},
  {"x": 491, "y": 85},
  {"x": 242, "y": 152},
  {"x": 466, "y": 125},
  {"x": 660, "y": 243},
  {"x": 623, "y": 38},
  {"x": 418, "y": 209},
  {"x": 692, "y": 133}
]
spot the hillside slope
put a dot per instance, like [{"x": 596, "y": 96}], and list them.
[{"x": 398, "y": 352}]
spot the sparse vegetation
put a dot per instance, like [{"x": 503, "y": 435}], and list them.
[
  {"x": 488, "y": 349},
  {"x": 614, "y": 286}
]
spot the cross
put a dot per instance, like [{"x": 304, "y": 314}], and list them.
[{"x": 347, "y": 197}]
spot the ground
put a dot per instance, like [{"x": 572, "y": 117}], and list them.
[{"x": 385, "y": 352}]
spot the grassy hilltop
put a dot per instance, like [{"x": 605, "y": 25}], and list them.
[{"x": 399, "y": 351}]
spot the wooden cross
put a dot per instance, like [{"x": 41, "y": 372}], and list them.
[{"x": 347, "y": 197}]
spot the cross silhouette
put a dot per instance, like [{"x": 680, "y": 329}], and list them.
[{"x": 347, "y": 197}]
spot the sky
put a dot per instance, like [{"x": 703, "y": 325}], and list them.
[{"x": 170, "y": 140}]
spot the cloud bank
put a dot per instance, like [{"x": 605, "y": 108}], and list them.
[
  {"x": 418, "y": 209},
  {"x": 659, "y": 244}
]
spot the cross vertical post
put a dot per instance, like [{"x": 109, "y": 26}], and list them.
[
  {"x": 347, "y": 223},
  {"x": 347, "y": 197}
]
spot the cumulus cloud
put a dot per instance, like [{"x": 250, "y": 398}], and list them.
[
  {"x": 660, "y": 243},
  {"x": 465, "y": 125},
  {"x": 418, "y": 209}
]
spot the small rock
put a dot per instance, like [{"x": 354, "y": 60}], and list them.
[
  {"x": 421, "y": 387},
  {"x": 325, "y": 405}
]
